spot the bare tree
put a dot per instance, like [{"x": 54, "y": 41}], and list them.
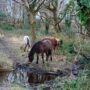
[
  {"x": 58, "y": 9},
  {"x": 52, "y": 7},
  {"x": 32, "y": 7},
  {"x": 55, "y": 8},
  {"x": 3, "y": 6}
]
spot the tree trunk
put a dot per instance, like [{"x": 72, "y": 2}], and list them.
[
  {"x": 56, "y": 26},
  {"x": 46, "y": 26},
  {"x": 32, "y": 24},
  {"x": 88, "y": 27}
]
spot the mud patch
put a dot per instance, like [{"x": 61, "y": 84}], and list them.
[{"x": 4, "y": 76}]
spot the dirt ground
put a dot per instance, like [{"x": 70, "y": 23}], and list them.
[
  {"x": 11, "y": 53},
  {"x": 10, "y": 45}
]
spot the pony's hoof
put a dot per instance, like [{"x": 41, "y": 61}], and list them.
[
  {"x": 29, "y": 63},
  {"x": 46, "y": 60},
  {"x": 36, "y": 62}
]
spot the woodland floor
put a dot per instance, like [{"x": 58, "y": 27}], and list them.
[
  {"x": 10, "y": 46},
  {"x": 10, "y": 52}
]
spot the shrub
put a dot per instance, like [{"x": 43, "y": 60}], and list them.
[{"x": 6, "y": 26}]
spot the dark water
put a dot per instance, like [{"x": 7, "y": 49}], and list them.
[
  {"x": 25, "y": 76},
  {"x": 4, "y": 76},
  {"x": 39, "y": 79}
]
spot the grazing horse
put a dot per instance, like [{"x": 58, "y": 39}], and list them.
[
  {"x": 55, "y": 42},
  {"x": 26, "y": 41},
  {"x": 41, "y": 47}
]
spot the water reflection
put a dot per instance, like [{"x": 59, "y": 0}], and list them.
[
  {"x": 26, "y": 76},
  {"x": 4, "y": 76},
  {"x": 39, "y": 78}
]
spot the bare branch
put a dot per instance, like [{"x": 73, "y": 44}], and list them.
[
  {"x": 33, "y": 2},
  {"x": 18, "y": 2},
  {"x": 55, "y": 4},
  {"x": 52, "y": 6},
  {"x": 60, "y": 4},
  {"x": 23, "y": 3},
  {"x": 26, "y": 3},
  {"x": 49, "y": 8},
  {"x": 38, "y": 7},
  {"x": 61, "y": 19},
  {"x": 83, "y": 34}
]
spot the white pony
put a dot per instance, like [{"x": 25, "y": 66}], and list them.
[{"x": 26, "y": 42}]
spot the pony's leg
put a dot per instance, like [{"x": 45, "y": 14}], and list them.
[
  {"x": 51, "y": 55},
  {"x": 42, "y": 57},
  {"x": 47, "y": 55},
  {"x": 29, "y": 46},
  {"x": 25, "y": 47},
  {"x": 37, "y": 59}
]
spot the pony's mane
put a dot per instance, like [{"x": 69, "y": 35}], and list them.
[
  {"x": 50, "y": 37},
  {"x": 34, "y": 48}
]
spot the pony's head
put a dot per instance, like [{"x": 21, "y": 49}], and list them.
[
  {"x": 31, "y": 55},
  {"x": 30, "y": 58},
  {"x": 60, "y": 43},
  {"x": 33, "y": 50}
]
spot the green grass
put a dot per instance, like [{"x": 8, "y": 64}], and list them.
[
  {"x": 6, "y": 27},
  {"x": 80, "y": 83},
  {"x": 19, "y": 88}
]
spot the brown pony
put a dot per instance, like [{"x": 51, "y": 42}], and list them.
[
  {"x": 55, "y": 42},
  {"x": 41, "y": 47}
]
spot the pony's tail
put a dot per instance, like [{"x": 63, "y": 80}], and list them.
[
  {"x": 28, "y": 42},
  {"x": 29, "y": 56}
]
